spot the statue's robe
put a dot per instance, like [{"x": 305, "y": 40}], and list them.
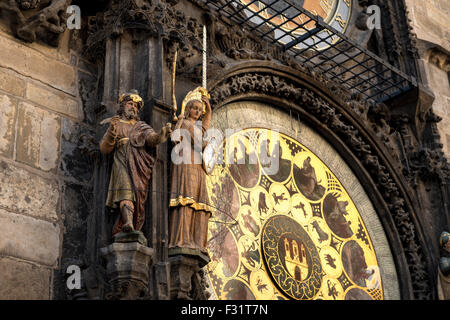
[
  {"x": 190, "y": 208},
  {"x": 134, "y": 158}
]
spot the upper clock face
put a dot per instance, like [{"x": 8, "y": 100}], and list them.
[
  {"x": 336, "y": 13},
  {"x": 293, "y": 233}
]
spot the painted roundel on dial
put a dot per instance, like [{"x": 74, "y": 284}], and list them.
[
  {"x": 336, "y": 13},
  {"x": 284, "y": 226}
]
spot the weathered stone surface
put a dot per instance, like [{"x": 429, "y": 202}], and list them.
[
  {"x": 8, "y": 110},
  {"x": 27, "y": 193},
  {"x": 429, "y": 19},
  {"x": 34, "y": 64},
  {"x": 88, "y": 89},
  {"x": 54, "y": 100},
  {"x": 74, "y": 162},
  {"x": 182, "y": 269},
  {"x": 38, "y": 137},
  {"x": 23, "y": 281},
  {"x": 133, "y": 236},
  {"x": 88, "y": 67},
  {"x": 28, "y": 238},
  {"x": 437, "y": 81},
  {"x": 12, "y": 84},
  {"x": 50, "y": 137},
  {"x": 127, "y": 261},
  {"x": 75, "y": 207}
]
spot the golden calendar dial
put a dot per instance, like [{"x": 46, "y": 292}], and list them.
[
  {"x": 293, "y": 233},
  {"x": 336, "y": 13}
]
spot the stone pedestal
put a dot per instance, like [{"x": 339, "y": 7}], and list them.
[
  {"x": 128, "y": 265},
  {"x": 129, "y": 237},
  {"x": 184, "y": 265}
]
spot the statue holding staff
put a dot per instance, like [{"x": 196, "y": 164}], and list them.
[
  {"x": 134, "y": 145},
  {"x": 189, "y": 209}
]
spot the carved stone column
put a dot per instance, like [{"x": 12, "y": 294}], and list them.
[{"x": 128, "y": 267}]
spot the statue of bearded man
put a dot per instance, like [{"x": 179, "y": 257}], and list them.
[{"x": 134, "y": 145}]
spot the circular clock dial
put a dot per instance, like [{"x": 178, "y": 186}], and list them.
[
  {"x": 287, "y": 20},
  {"x": 284, "y": 226}
]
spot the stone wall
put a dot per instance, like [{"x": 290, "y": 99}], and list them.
[
  {"x": 41, "y": 113},
  {"x": 430, "y": 22}
]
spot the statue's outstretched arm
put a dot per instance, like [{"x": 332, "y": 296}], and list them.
[
  {"x": 207, "y": 118},
  {"x": 152, "y": 139},
  {"x": 109, "y": 139}
]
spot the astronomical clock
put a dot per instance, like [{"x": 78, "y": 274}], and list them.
[
  {"x": 287, "y": 231},
  {"x": 291, "y": 219},
  {"x": 336, "y": 13}
]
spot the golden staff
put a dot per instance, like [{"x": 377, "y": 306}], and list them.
[
  {"x": 198, "y": 92},
  {"x": 174, "y": 98},
  {"x": 205, "y": 57}
]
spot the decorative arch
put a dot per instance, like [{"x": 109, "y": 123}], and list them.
[{"x": 358, "y": 130}]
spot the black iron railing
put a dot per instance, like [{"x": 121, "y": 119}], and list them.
[{"x": 317, "y": 44}]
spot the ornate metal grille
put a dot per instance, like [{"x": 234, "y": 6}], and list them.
[{"x": 318, "y": 45}]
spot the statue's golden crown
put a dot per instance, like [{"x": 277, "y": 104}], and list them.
[
  {"x": 134, "y": 96},
  {"x": 195, "y": 94}
]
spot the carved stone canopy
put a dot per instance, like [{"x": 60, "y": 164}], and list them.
[{"x": 144, "y": 19}]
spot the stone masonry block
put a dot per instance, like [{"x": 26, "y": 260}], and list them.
[
  {"x": 56, "y": 101},
  {"x": 38, "y": 140},
  {"x": 31, "y": 63},
  {"x": 23, "y": 281},
  {"x": 12, "y": 84},
  {"x": 29, "y": 239},
  {"x": 8, "y": 110},
  {"x": 27, "y": 193}
]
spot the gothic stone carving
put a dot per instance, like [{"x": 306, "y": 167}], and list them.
[
  {"x": 440, "y": 58},
  {"x": 128, "y": 266},
  {"x": 146, "y": 18},
  {"x": 47, "y": 20},
  {"x": 187, "y": 280},
  {"x": 428, "y": 163}
]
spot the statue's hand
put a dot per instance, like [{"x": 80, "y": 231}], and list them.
[
  {"x": 205, "y": 99},
  {"x": 169, "y": 128},
  {"x": 166, "y": 131},
  {"x": 113, "y": 126}
]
